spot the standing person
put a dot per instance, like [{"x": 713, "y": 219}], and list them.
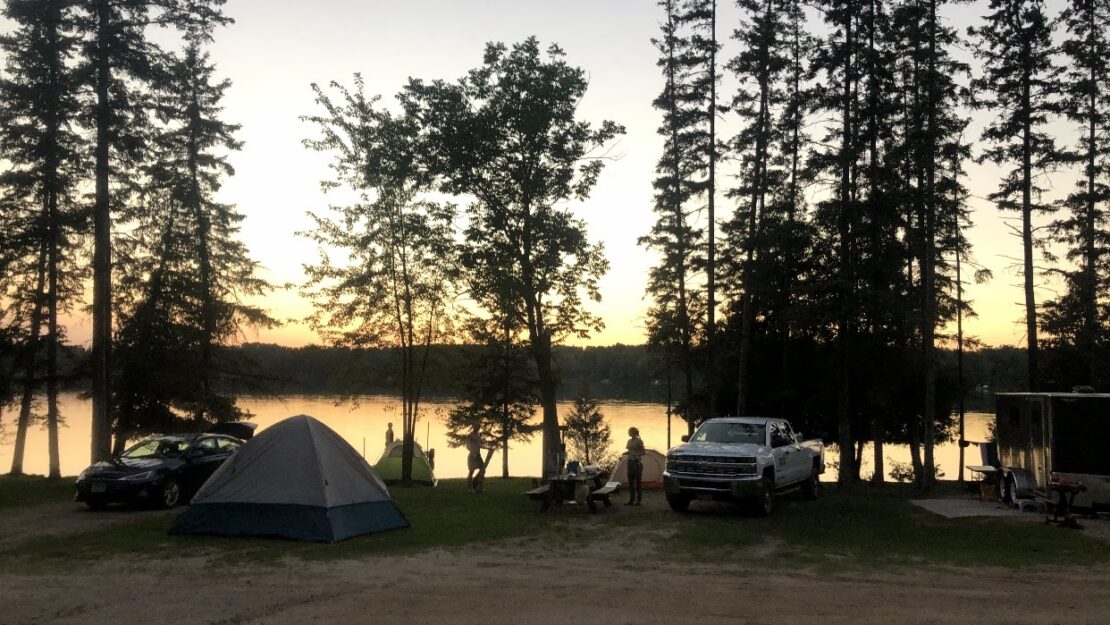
[
  {"x": 636, "y": 450},
  {"x": 388, "y": 434},
  {"x": 473, "y": 458}
]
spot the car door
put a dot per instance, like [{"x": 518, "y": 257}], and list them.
[
  {"x": 781, "y": 450},
  {"x": 204, "y": 456},
  {"x": 801, "y": 464}
]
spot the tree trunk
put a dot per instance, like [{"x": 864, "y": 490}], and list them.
[
  {"x": 960, "y": 354},
  {"x": 755, "y": 218},
  {"x": 878, "y": 475},
  {"x": 541, "y": 352},
  {"x": 51, "y": 192},
  {"x": 1090, "y": 231},
  {"x": 844, "y": 324},
  {"x": 928, "y": 254},
  {"x": 101, "y": 440},
  {"x": 204, "y": 253},
  {"x": 1027, "y": 228},
  {"x": 30, "y": 362},
  {"x": 55, "y": 471},
  {"x": 711, "y": 257},
  {"x": 915, "y": 449}
]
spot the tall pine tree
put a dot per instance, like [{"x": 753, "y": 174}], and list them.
[
  {"x": 672, "y": 319},
  {"x": 195, "y": 277},
  {"x": 1078, "y": 321},
  {"x": 121, "y": 62},
  {"x": 41, "y": 217},
  {"x": 1019, "y": 86}
]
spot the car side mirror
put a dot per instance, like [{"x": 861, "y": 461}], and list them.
[{"x": 685, "y": 438}]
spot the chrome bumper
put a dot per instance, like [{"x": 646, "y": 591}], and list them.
[{"x": 694, "y": 484}]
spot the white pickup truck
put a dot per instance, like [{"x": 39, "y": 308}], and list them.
[{"x": 749, "y": 459}]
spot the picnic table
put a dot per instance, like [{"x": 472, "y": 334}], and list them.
[{"x": 581, "y": 487}]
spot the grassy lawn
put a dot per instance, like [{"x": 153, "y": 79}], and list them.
[
  {"x": 33, "y": 490},
  {"x": 861, "y": 526}
]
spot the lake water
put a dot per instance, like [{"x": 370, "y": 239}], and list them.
[{"x": 363, "y": 422}]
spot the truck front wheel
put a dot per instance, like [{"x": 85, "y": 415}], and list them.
[{"x": 678, "y": 502}]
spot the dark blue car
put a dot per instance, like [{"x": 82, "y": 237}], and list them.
[{"x": 162, "y": 471}]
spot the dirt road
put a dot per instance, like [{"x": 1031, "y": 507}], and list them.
[{"x": 523, "y": 582}]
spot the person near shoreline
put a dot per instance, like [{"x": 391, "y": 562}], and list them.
[
  {"x": 474, "y": 458},
  {"x": 635, "y": 454},
  {"x": 388, "y": 434}
]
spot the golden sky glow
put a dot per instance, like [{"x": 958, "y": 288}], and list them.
[{"x": 276, "y": 49}]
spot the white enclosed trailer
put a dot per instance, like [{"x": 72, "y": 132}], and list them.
[{"x": 1043, "y": 437}]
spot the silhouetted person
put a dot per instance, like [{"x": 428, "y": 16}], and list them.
[
  {"x": 635, "y": 452},
  {"x": 388, "y": 434},
  {"x": 474, "y": 457}
]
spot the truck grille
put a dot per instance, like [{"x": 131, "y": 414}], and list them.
[{"x": 716, "y": 466}]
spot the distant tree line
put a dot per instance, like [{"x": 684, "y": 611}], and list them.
[{"x": 838, "y": 271}]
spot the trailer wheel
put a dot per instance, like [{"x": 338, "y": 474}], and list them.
[{"x": 1007, "y": 490}]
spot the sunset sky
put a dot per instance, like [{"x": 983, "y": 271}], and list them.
[{"x": 276, "y": 49}]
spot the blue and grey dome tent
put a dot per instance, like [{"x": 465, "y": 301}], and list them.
[{"x": 297, "y": 479}]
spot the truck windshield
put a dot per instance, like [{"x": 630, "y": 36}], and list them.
[{"x": 731, "y": 433}]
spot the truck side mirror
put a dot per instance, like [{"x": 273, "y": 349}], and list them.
[{"x": 685, "y": 438}]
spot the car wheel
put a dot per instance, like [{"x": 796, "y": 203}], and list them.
[
  {"x": 171, "y": 493},
  {"x": 678, "y": 502},
  {"x": 811, "y": 486},
  {"x": 766, "y": 502}
]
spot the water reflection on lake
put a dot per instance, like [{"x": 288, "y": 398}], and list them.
[{"x": 363, "y": 424}]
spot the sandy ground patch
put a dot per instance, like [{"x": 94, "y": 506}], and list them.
[
  {"x": 528, "y": 581},
  {"x": 531, "y": 581},
  {"x": 18, "y": 524}
]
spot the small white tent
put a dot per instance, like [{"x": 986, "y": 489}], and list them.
[
  {"x": 654, "y": 465},
  {"x": 297, "y": 479}
]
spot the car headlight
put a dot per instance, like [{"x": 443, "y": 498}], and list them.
[{"x": 138, "y": 477}]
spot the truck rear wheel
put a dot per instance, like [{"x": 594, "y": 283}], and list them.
[{"x": 678, "y": 502}]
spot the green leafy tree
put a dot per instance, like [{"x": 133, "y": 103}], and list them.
[
  {"x": 500, "y": 395},
  {"x": 508, "y": 135},
  {"x": 399, "y": 281},
  {"x": 588, "y": 436}
]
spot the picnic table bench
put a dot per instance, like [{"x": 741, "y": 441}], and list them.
[{"x": 559, "y": 489}]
